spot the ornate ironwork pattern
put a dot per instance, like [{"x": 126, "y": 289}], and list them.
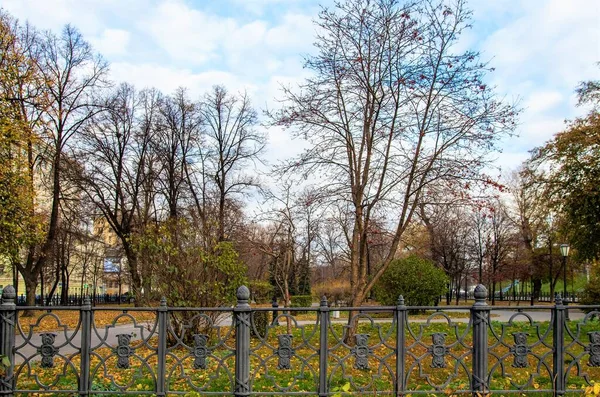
[
  {"x": 125, "y": 358},
  {"x": 123, "y": 350},
  {"x": 210, "y": 352},
  {"x": 361, "y": 351},
  {"x": 273, "y": 347},
  {"x": 285, "y": 351},
  {"x": 438, "y": 350},
  {"x": 200, "y": 351},
  {"x": 239, "y": 350},
  {"x": 520, "y": 350},
  {"x": 47, "y": 350},
  {"x": 583, "y": 344},
  {"x": 437, "y": 375},
  {"x": 52, "y": 352},
  {"x": 593, "y": 349},
  {"x": 371, "y": 350},
  {"x": 513, "y": 350}
]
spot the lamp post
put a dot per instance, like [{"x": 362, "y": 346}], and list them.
[{"x": 564, "y": 251}]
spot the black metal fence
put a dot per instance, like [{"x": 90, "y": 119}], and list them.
[
  {"x": 573, "y": 297},
  {"x": 77, "y": 299},
  {"x": 243, "y": 351}
]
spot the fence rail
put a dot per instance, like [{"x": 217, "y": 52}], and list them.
[
  {"x": 243, "y": 350},
  {"x": 77, "y": 299},
  {"x": 572, "y": 297}
]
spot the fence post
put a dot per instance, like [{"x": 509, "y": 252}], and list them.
[
  {"x": 400, "y": 314},
  {"x": 480, "y": 314},
  {"x": 242, "y": 342},
  {"x": 558, "y": 346},
  {"x": 323, "y": 346},
  {"x": 8, "y": 313},
  {"x": 162, "y": 347},
  {"x": 86, "y": 342}
]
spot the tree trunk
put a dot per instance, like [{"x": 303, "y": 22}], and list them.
[
  {"x": 132, "y": 262},
  {"x": 537, "y": 288},
  {"x": 64, "y": 291},
  {"x": 457, "y": 290},
  {"x": 30, "y": 287},
  {"x": 221, "y": 221}
]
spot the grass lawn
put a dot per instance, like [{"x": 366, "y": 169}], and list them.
[{"x": 46, "y": 321}]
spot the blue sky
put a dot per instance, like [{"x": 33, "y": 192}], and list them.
[{"x": 541, "y": 49}]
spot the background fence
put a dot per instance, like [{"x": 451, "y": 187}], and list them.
[
  {"x": 77, "y": 299},
  {"x": 572, "y": 297},
  {"x": 244, "y": 351}
]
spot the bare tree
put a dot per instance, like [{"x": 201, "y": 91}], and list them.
[
  {"x": 499, "y": 244},
  {"x": 72, "y": 74},
  {"x": 449, "y": 233},
  {"x": 391, "y": 108},
  {"x": 232, "y": 142},
  {"x": 177, "y": 135},
  {"x": 116, "y": 145}
]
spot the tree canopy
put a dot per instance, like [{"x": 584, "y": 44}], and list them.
[{"x": 568, "y": 170}]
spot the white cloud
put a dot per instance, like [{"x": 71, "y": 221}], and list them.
[
  {"x": 551, "y": 43},
  {"x": 257, "y": 7},
  {"x": 543, "y": 101},
  {"x": 186, "y": 34},
  {"x": 91, "y": 17},
  {"x": 296, "y": 33},
  {"x": 167, "y": 79},
  {"x": 539, "y": 130},
  {"x": 112, "y": 42},
  {"x": 541, "y": 50},
  {"x": 197, "y": 38}
]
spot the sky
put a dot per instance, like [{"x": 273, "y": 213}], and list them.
[{"x": 540, "y": 50}]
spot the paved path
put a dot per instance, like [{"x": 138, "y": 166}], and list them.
[{"x": 109, "y": 334}]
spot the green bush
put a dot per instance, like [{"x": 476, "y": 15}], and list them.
[
  {"x": 261, "y": 291},
  {"x": 417, "y": 279},
  {"x": 300, "y": 301},
  {"x": 260, "y": 321},
  {"x": 188, "y": 273}
]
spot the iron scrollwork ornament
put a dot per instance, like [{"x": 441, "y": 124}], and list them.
[
  {"x": 200, "y": 351},
  {"x": 361, "y": 352},
  {"x": 47, "y": 350},
  {"x": 438, "y": 350},
  {"x": 520, "y": 350},
  {"x": 594, "y": 349},
  {"x": 285, "y": 351},
  {"x": 123, "y": 350}
]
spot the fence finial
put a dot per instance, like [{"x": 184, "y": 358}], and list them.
[
  {"x": 480, "y": 294},
  {"x": 558, "y": 300},
  {"x": 9, "y": 294},
  {"x": 400, "y": 300},
  {"x": 243, "y": 296},
  {"x": 324, "y": 301}
]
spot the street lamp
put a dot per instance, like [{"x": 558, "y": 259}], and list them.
[{"x": 564, "y": 251}]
